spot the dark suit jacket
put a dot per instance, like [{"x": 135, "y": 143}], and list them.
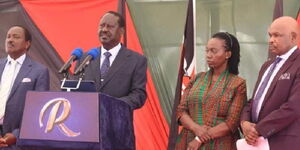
[
  {"x": 279, "y": 117},
  {"x": 39, "y": 76},
  {"x": 125, "y": 80}
]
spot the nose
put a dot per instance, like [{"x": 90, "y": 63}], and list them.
[
  {"x": 271, "y": 39},
  {"x": 208, "y": 54},
  {"x": 104, "y": 28},
  {"x": 9, "y": 39}
]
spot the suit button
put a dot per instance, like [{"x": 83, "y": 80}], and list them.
[{"x": 270, "y": 132}]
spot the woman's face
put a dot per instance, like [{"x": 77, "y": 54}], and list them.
[{"x": 216, "y": 55}]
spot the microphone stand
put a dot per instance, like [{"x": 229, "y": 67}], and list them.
[
  {"x": 66, "y": 75},
  {"x": 70, "y": 88}
]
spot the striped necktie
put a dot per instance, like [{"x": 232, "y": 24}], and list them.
[
  {"x": 261, "y": 90},
  {"x": 105, "y": 65}
]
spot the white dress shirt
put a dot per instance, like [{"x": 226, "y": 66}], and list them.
[
  {"x": 114, "y": 52},
  {"x": 5, "y": 76},
  {"x": 283, "y": 57}
]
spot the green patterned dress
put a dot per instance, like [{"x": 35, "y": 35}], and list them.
[{"x": 211, "y": 104}]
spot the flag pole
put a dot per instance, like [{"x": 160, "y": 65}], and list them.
[
  {"x": 187, "y": 53},
  {"x": 122, "y": 11}
]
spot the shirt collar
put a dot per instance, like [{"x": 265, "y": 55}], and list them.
[
  {"x": 20, "y": 60},
  {"x": 114, "y": 51},
  {"x": 288, "y": 54}
]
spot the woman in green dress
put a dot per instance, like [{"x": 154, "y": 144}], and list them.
[{"x": 212, "y": 102}]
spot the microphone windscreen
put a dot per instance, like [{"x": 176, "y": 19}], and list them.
[
  {"x": 77, "y": 53},
  {"x": 94, "y": 52}
]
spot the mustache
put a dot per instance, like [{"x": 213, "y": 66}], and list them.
[
  {"x": 9, "y": 44},
  {"x": 271, "y": 46},
  {"x": 104, "y": 33}
]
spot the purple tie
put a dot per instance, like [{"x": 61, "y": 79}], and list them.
[
  {"x": 262, "y": 88},
  {"x": 105, "y": 65}
]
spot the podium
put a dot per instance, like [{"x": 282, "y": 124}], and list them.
[{"x": 78, "y": 120}]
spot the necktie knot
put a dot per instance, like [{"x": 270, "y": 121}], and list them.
[
  {"x": 107, "y": 54},
  {"x": 13, "y": 62},
  {"x": 277, "y": 60}
]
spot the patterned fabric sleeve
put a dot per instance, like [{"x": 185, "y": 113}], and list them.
[
  {"x": 238, "y": 102},
  {"x": 183, "y": 106}
]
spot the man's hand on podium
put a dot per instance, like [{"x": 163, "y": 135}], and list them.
[{"x": 7, "y": 140}]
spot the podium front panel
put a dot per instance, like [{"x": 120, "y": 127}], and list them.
[{"x": 61, "y": 116}]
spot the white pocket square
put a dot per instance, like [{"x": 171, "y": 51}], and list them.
[
  {"x": 26, "y": 80},
  {"x": 285, "y": 76}
]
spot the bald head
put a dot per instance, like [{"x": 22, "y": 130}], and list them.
[{"x": 284, "y": 34}]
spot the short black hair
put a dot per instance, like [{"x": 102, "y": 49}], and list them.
[
  {"x": 26, "y": 32},
  {"x": 121, "y": 20},
  {"x": 231, "y": 44}
]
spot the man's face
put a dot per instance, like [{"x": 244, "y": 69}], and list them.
[
  {"x": 109, "y": 31},
  {"x": 280, "y": 40},
  {"x": 15, "y": 43}
]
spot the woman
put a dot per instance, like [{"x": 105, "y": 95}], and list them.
[{"x": 212, "y": 102}]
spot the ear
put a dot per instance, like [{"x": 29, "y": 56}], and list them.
[
  {"x": 122, "y": 30},
  {"x": 28, "y": 43},
  {"x": 294, "y": 37},
  {"x": 228, "y": 54}
]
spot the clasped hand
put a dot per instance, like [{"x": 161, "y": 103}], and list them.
[
  {"x": 203, "y": 133},
  {"x": 7, "y": 140},
  {"x": 250, "y": 133}
]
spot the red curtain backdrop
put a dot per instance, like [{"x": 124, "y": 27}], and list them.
[{"x": 71, "y": 24}]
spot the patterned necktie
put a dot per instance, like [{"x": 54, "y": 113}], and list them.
[
  {"x": 261, "y": 90},
  {"x": 105, "y": 65},
  {"x": 6, "y": 85}
]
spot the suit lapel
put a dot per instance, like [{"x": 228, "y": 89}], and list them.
[
  {"x": 24, "y": 70},
  {"x": 119, "y": 61},
  {"x": 2, "y": 66},
  {"x": 284, "y": 67},
  {"x": 262, "y": 72},
  {"x": 96, "y": 66}
]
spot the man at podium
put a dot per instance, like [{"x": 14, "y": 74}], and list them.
[
  {"x": 118, "y": 71},
  {"x": 18, "y": 74}
]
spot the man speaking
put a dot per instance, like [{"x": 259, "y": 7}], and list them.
[{"x": 118, "y": 72}]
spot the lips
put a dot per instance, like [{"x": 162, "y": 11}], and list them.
[
  {"x": 209, "y": 61},
  {"x": 104, "y": 37},
  {"x": 271, "y": 47},
  {"x": 9, "y": 45}
]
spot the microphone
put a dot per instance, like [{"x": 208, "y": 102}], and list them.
[
  {"x": 75, "y": 55},
  {"x": 91, "y": 55}
]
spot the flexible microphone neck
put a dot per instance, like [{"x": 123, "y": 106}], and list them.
[{"x": 75, "y": 55}]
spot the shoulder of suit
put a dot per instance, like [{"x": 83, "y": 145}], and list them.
[
  {"x": 37, "y": 65},
  {"x": 3, "y": 59},
  {"x": 297, "y": 52},
  {"x": 131, "y": 52}
]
